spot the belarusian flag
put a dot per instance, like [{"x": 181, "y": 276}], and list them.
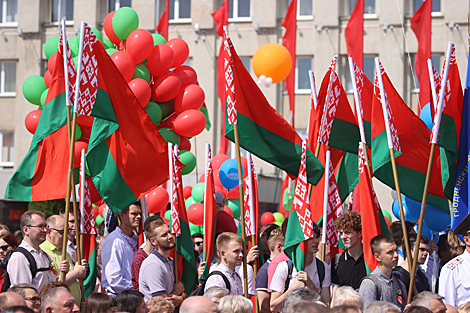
[
  {"x": 127, "y": 157},
  {"x": 413, "y": 136},
  {"x": 262, "y": 130},
  {"x": 300, "y": 224},
  {"x": 210, "y": 214},
  {"x": 88, "y": 230},
  {"x": 186, "y": 261}
]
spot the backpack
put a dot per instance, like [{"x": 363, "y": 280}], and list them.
[
  {"x": 199, "y": 291},
  {"x": 406, "y": 276},
  {"x": 33, "y": 267},
  {"x": 378, "y": 286},
  {"x": 290, "y": 269}
]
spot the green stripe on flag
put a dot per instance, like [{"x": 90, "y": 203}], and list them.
[
  {"x": 294, "y": 236},
  {"x": 185, "y": 249},
  {"x": 90, "y": 282},
  {"x": 347, "y": 176},
  {"x": 339, "y": 139}
]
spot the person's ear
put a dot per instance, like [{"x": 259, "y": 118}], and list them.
[
  {"x": 359, "y": 233},
  {"x": 377, "y": 257}
]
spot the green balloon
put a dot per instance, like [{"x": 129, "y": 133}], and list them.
[
  {"x": 278, "y": 217},
  {"x": 278, "y": 223},
  {"x": 158, "y": 39},
  {"x": 387, "y": 214},
  {"x": 204, "y": 111},
  {"x": 125, "y": 21},
  {"x": 110, "y": 51},
  {"x": 33, "y": 87},
  {"x": 74, "y": 45},
  {"x": 51, "y": 46},
  {"x": 107, "y": 43},
  {"x": 96, "y": 33},
  {"x": 99, "y": 219},
  {"x": 167, "y": 108},
  {"x": 168, "y": 214},
  {"x": 76, "y": 175},
  {"x": 188, "y": 202},
  {"x": 78, "y": 133},
  {"x": 169, "y": 135},
  {"x": 193, "y": 228},
  {"x": 234, "y": 205},
  {"x": 43, "y": 97},
  {"x": 188, "y": 159},
  {"x": 141, "y": 71},
  {"x": 198, "y": 192},
  {"x": 154, "y": 111}
]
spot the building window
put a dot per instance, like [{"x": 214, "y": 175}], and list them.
[
  {"x": 436, "y": 63},
  {"x": 114, "y": 5},
  {"x": 7, "y": 153},
  {"x": 436, "y": 5},
  {"x": 304, "y": 8},
  {"x": 61, "y": 9},
  {"x": 238, "y": 9},
  {"x": 246, "y": 62},
  {"x": 368, "y": 68},
  {"x": 369, "y": 6},
  {"x": 302, "y": 81},
  {"x": 180, "y": 10},
  {"x": 8, "y": 78},
  {"x": 8, "y": 11}
]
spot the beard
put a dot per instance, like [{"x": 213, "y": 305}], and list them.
[{"x": 166, "y": 245}]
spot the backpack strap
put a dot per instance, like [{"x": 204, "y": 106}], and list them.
[
  {"x": 227, "y": 283},
  {"x": 336, "y": 260},
  {"x": 321, "y": 271},
  {"x": 290, "y": 269},
  {"x": 32, "y": 262},
  {"x": 406, "y": 276},
  {"x": 378, "y": 286}
]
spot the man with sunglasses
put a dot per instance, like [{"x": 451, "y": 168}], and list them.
[
  {"x": 53, "y": 247},
  {"x": 34, "y": 228}
]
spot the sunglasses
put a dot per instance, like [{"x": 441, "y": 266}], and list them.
[
  {"x": 198, "y": 243},
  {"x": 33, "y": 299},
  {"x": 5, "y": 247},
  {"x": 60, "y": 231}
]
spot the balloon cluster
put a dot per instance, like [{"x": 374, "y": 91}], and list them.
[{"x": 272, "y": 218}]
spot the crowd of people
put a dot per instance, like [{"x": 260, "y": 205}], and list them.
[{"x": 141, "y": 279}]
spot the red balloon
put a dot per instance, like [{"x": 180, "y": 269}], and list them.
[
  {"x": 187, "y": 192},
  {"x": 202, "y": 178},
  {"x": 185, "y": 144},
  {"x": 77, "y": 153},
  {"x": 234, "y": 193},
  {"x": 187, "y": 75},
  {"x": 51, "y": 63},
  {"x": 189, "y": 123},
  {"x": 96, "y": 211},
  {"x": 217, "y": 179},
  {"x": 222, "y": 191},
  {"x": 157, "y": 199},
  {"x": 218, "y": 160},
  {"x": 169, "y": 120},
  {"x": 141, "y": 90},
  {"x": 47, "y": 78},
  {"x": 166, "y": 87},
  {"x": 180, "y": 49},
  {"x": 108, "y": 28},
  {"x": 160, "y": 60},
  {"x": 228, "y": 210},
  {"x": 196, "y": 214},
  {"x": 86, "y": 121},
  {"x": 189, "y": 97},
  {"x": 124, "y": 63},
  {"x": 139, "y": 44},
  {"x": 31, "y": 121},
  {"x": 267, "y": 218},
  {"x": 94, "y": 194}
]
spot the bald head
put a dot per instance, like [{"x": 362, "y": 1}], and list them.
[
  {"x": 451, "y": 309},
  {"x": 54, "y": 221},
  {"x": 9, "y": 299},
  {"x": 198, "y": 304}
]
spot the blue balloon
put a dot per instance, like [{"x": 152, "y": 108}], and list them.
[
  {"x": 436, "y": 219},
  {"x": 411, "y": 208},
  {"x": 228, "y": 173},
  {"x": 430, "y": 234},
  {"x": 426, "y": 116}
]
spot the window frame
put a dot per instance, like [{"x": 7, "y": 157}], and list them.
[
  {"x": 3, "y": 93},
  {"x": 307, "y": 17},
  {"x": 367, "y": 16},
  {"x": 67, "y": 22},
  {"x": 7, "y": 164},
  {"x": 117, "y": 5},
  {"x": 296, "y": 76},
  {"x": 4, "y": 3},
  {"x": 237, "y": 18},
  {"x": 178, "y": 20},
  {"x": 433, "y": 13}
]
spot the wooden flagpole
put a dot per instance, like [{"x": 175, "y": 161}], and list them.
[{"x": 435, "y": 134}]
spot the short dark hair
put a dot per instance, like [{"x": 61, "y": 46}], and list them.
[
  {"x": 197, "y": 235},
  {"x": 10, "y": 239},
  {"x": 412, "y": 242},
  {"x": 417, "y": 309},
  {"x": 377, "y": 241},
  {"x": 27, "y": 217},
  {"x": 99, "y": 303},
  {"x": 396, "y": 231},
  {"x": 129, "y": 301}
]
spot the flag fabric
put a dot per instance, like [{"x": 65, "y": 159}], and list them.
[
  {"x": 354, "y": 34},
  {"x": 127, "y": 157},
  {"x": 163, "y": 22},
  {"x": 145, "y": 215},
  {"x": 210, "y": 213},
  {"x": 263, "y": 131},
  {"x": 230, "y": 99},
  {"x": 460, "y": 205},
  {"x": 221, "y": 19},
  {"x": 186, "y": 261},
  {"x": 88, "y": 231},
  {"x": 289, "y": 41},
  {"x": 69, "y": 65},
  {"x": 412, "y": 138},
  {"x": 437, "y": 88},
  {"x": 300, "y": 224},
  {"x": 421, "y": 26}
]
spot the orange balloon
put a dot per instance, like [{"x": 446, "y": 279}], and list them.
[{"x": 272, "y": 60}]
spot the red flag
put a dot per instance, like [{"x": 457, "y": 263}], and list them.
[
  {"x": 354, "y": 34},
  {"x": 251, "y": 200},
  {"x": 221, "y": 19},
  {"x": 421, "y": 26},
  {"x": 288, "y": 41},
  {"x": 162, "y": 27},
  {"x": 69, "y": 67}
]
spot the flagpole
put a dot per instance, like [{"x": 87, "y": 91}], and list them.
[
  {"x": 434, "y": 139},
  {"x": 325, "y": 204},
  {"x": 205, "y": 237},
  {"x": 170, "y": 171},
  {"x": 394, "y": 165}
]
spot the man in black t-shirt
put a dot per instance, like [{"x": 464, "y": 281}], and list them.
[{"x": 348, "y": 268}]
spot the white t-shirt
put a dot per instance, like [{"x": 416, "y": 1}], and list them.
[{"x": 281, "y": 273}]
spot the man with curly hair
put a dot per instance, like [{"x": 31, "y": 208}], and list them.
[{"x": 348, "y": 268}]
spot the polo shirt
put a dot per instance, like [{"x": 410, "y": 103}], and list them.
[
  {"x": 262, "y": 277},
  {"x": 345, "y": 271},
  {"x": 156, "y": 276}
]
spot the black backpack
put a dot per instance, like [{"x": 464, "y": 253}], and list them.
[
  {"x": 32, "y": 266},
  {"x": 378, "y": 285},
  {"x": 290, "y": 269},
  {"x": 199, "y": 291}
]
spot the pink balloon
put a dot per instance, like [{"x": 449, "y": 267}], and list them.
[
  {"x": 124, "y": 63},
  {"x": 166, "y": 87},
  {"x": 180, "y": 49},
  {"x": 139, "y": 45},
  {"x": 160, "y": 59},
  {"x": 141, "y": 90},
  {"x": 189, "y": 123},
  {"x": 187, "y": 75},
  {"x": 190, "y": 97}
]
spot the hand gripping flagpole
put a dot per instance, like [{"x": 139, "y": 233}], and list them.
[{"x": 434, "y": 138}]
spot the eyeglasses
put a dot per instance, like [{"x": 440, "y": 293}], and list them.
[
  {"x": 40, "y": 227},
  {"x": 5, "y": 247},
  {"x": 60, "y": 231},
  {"x": 33, "y": 299},
  {"x": 198, "y": 243}
]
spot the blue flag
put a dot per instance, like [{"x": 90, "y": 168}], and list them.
[{"x": 460, "y": 205}]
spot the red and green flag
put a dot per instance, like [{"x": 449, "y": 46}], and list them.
[{"x": 164, "y": 21}]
